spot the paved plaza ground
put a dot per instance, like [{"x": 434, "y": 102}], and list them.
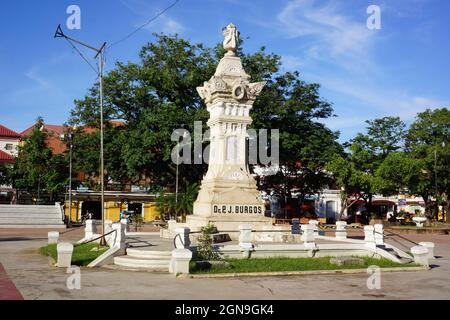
[{"x": 30, "y": 272}]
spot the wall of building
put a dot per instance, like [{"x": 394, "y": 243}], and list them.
[
  {"x": 113, "y": 209},
  {"x": 5, "y": 141}
]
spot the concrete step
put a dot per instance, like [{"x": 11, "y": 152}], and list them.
[
  {"x": 30, "y": 215},
  {"x": 36, "y": 220},
  {"x": 140, "y": 263},
  {"x": 149, "y": 254},
  {"x": 32, "y": 226},
  {"x": 2, "y": 206}
]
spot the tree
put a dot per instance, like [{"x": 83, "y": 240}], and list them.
[
  {"x": 355, "y": 173},
  {"x": 36, "y": 169},
  {"x": 428, "y": 142},
  {"x": 5, "y": 173},
  {"x": 169, "y": 205},
  {"x": 400, "y": 173},
  {"x": 158, "y": 94},
  {"x": 355, "y": 184}
]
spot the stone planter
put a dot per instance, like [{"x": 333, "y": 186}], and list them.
[{"x": 419, "y": 221}]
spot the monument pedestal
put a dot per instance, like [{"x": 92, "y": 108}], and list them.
[{"x": 228, "y": 196}]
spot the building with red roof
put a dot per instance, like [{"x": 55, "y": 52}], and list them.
[
  {"x": 54, "y": 140},
  {"x": 9, "y": 141}
]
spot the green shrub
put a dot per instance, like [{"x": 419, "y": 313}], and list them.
[{"x": 205, "y": 244}]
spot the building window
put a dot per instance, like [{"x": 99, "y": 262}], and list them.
[{"x": 9, "y": 147}]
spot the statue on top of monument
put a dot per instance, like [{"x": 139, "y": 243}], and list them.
[{"x": 231, "y": 41}]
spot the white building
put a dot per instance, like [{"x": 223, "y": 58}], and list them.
[{"x": 9, "y": 143}]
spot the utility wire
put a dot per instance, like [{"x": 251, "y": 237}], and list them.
[
  {"x": 82, "y": 55},
  {"x": 145, "y": 24}
]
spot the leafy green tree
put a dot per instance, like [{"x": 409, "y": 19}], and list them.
[
  {"x": 158, "y": 94},
  {"x": 36, "y": 169},
  {"x": 400, "y": 173},
  {"x": 168, "y": 204},
  {"x": 5, "y": 173},
  {"x": 355, "y": 173},
  {"x": 427, "y": 141}
]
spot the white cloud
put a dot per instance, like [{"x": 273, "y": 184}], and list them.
[
  {"x": 33, "y": 74},
  {"x": 331, "y": 36},
  {"x": 166, "y": 25},
  {"x": 379, "y": 100}
]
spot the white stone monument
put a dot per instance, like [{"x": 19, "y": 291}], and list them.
[{"x": 229, "y": 196}]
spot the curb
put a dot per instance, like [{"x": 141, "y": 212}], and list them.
[{"x": 299, "y": 273}]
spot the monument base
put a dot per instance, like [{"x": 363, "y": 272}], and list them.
[{"x": 230, "y": 225}]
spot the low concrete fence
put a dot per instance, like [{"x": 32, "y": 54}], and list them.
[{"x": 303, "y": 244}]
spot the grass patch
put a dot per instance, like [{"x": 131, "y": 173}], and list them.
[
  {"x": 292, "y": 264},
  {"x": 82, "y": 255}
]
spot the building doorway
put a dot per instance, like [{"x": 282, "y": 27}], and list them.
[
  {"x": 136, "y": 208},
  {"x": 93, "y": 207},
  {"x": 331, "y": 212}
]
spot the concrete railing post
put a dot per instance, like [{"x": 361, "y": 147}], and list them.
[
  {"x": 65, "y": 251},
  {"x": 182, "y": 240},
  {"x": 420, "y": 255},
  {"x": 180, "y": 261},
  {"x": 341, "y": 232},
  {"x": 119, "y": 235},
  {"x": 91, "y": 229},
  {"x": 430, "y": 247},
  {"x": 379, "y": 234},
  {"x": 245, "y": 236},
  {"x": 308, "y": 237},
  {"x": 108, "y": 228},
  {"x": 53, "y": 237},
  {"x": 369, "y": 237},
  {"x": 315, "y": 224}
]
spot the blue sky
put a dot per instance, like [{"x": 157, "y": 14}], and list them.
[{"x": 401, "y": 69}]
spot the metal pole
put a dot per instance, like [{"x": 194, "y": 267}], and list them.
[
  {"x": 176, "y": 186},
  {"x": 70, "y": 181},
  {"x": 435, "y": 173},
  {"x": 102, "y": 171}
]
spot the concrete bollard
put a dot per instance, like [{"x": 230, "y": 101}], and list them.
[
  {"x": 308, "y": 237},
  {"x": 420, "y": 255},
  {"x": 379, "y": 234},
  {"x": 315, "y": 224},
  {"x": 180, "y": 261},
  {"x": 53, "y": 237},
  {"x": 245, "y": 236},
  {"x": 369, "y": 237},
  {"x": 65, "y": 251},
  {"x": 182, "y": 240},
  {"x": 91, "y": 230},
  {"x": 341, "y": 232},
  {"x": 430, "y": 247}
]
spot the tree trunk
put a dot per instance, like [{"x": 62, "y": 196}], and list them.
[{"x": 369, "y": 204}]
